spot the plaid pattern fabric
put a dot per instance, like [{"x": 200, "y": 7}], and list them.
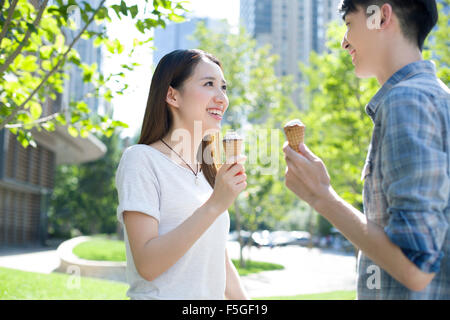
[{"x": 407, "y": 180}]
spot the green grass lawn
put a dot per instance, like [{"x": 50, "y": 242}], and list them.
[
  {"x": 103, "y": 249},
  {"x": 255, "y": 266},
  {"x": 21, "y": 285}
]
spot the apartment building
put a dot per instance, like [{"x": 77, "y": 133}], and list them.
[{"x": 294, "y": 28}]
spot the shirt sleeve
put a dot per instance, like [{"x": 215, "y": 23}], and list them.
[
  {"x": 415, "y": 176},
  {"x": 137, "y": 186}
]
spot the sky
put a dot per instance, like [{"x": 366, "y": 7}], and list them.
[{"x": 130, "y": 107}]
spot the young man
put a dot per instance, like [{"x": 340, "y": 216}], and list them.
[{"x": 403, "y": 234}]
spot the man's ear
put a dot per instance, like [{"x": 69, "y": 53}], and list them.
[
  {"x": 386, "y": 15},
  {"x": 379, "y": 17},
  {"x": 172, "y": 97}
]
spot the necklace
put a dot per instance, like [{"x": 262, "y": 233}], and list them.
[{"x": 195, "y": 174}]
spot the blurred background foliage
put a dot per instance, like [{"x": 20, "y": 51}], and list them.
[{"x": 337, "y": 129}]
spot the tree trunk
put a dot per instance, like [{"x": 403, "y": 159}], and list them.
[
  {"x": 238, "y": 229},
  {"x": 310, "y": 228}
]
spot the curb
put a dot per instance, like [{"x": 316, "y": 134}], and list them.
[{"x": 71, "y": 264}]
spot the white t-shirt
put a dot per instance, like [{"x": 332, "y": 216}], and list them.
[{"x": 150, "y": 182}]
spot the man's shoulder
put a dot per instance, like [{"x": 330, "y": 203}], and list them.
[
  {"x": 415, "y": 103},
  {"x": 420, "y": 86},
  {"x": 422, "y": 91}
]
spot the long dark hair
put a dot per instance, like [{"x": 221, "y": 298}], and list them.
[{"x": 173, "y": 69}]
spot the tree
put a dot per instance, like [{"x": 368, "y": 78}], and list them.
[
  {"x": 35, "y": 50},
  {"x": 260, "y": 104},
  {"x": 438, "y": 43},
  {"x": 84, "y": 199}
]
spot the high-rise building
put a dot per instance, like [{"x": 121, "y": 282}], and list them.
[
  {"x": 179, "y": 36},
  {"x": 75, "y": 88},
  {"x": 293, "y": 28}
]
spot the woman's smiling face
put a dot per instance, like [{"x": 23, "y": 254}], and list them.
[{"x": 202, "y": 97}]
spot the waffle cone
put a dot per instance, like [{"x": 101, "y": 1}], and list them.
[
  {"x": 295, "y": 135},
  {"x": 232, "y": 148}
]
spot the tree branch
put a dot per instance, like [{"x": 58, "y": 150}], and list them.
[
  {"x": 41, "y": 120},
  {"x": 8, "y": 20},
  {"x": 55, "y": 68},
  {"x": 24, "y": 40}
]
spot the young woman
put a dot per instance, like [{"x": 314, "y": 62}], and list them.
[{"x": 172, "y": 198}]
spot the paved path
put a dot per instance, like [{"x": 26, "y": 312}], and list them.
[
  {"x": 37, "y": 259},
  {"x": 306, "y": 270}
]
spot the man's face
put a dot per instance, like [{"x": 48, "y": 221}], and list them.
[{"x": 361, "y": 43}]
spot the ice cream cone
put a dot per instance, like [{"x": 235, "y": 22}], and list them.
[
  {"x": 216, "y": 153},
  {"x": 295, "y": 133},
  {"x": 232, "y": 145}
]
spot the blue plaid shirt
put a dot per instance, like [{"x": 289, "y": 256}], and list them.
[{"x": 407, "y": 180}]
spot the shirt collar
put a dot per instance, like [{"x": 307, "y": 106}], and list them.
[{"x": 422, "y": 66}]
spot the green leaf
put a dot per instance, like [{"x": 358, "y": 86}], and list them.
[
  {"x": 88, "y": 7},
  {"x": 117, "y": 123},
  {"x": 140, "y": 26},
  {"x": 24, "y": 118},
  {"x": 88, "y": 71},
  {"x": 114, "y": 46},
  {"x": 123, "y": 8},
  {"x": 82, "y": 107},
  {"x": 74, "y": 57},
  {"x": 26, "y": 139},
  {"x": 108, "y": 95},
  {"x": 102, "y": 14},
  {"x": 49, "y": 126},
  {"x": 32, "y": 27},
  {"x": 109, "y": 132},
  {"x": 45, "y": 52},
  {"x": 176, "y": 18},
  {"x": 72, "y": 131},
  {"x": 61, "y": 119},
  {"x": 35, "y": 110},
  {"x": 60, "y": 40},
  {"x": 134, "y": 11},
  {"x": 29, "y": 64},
  {"x": 84, "y": 16},
  {"x": 75, "y": 117},
  {"x": 116, "y": 9},
  {"x": 23, "y": 142},
  {"x": 46, "y": 65},
  {"x": 98, "y": 41},
  {"x": 84, "y": 133}
]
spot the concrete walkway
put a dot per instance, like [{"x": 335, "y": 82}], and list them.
[
  {"x": 306, "y": 270},
  {"x": 35, "y": 259}
]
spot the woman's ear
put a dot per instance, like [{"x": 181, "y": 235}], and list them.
[{"x": 172, "y": 97}]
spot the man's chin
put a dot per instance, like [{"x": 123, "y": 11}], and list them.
[{"x": 363, "y": 74}]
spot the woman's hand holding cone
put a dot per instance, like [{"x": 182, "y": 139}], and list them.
[{"x": 230, "y": 181}]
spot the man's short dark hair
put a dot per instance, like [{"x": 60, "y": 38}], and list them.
[{"x": 416, "y": 17}]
